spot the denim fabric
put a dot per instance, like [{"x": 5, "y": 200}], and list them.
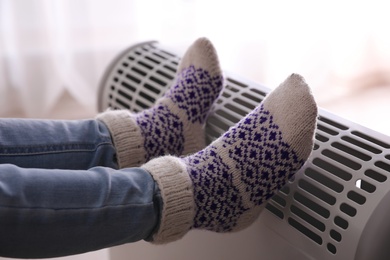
[
  {"x": 69, "y": 198},
  {"x": 55, "y": 144}
]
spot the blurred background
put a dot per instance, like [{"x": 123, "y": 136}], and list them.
[{"x": 53, "y": 53}]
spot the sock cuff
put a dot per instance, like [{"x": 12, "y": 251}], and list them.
[
  {"x": 126, "y": 136},
  {"x": 174, "y": 182}
]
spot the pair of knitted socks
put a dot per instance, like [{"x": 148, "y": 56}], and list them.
[{"x": 224, "y": 186}]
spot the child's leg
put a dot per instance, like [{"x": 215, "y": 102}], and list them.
[
  {"x": 55, "y": 144},
  {"x": 50, "y": 213}
]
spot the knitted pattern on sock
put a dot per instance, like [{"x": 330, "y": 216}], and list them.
[
  {"x": 234, "y": 176},
  {"x": 175, "y": 124},
  {"x": 231, "y": 179}
]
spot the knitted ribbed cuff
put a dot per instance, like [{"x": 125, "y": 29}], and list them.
[
  {"x": 126, "y": 136},
  {"x": 175, "y": 185}
]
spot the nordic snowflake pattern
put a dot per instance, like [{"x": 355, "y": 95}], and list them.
[
  {"x": 194, "y": 92},
  {"x": 241, "y": 170}
]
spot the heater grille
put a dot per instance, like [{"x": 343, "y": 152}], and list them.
[
  {"x": 138, "y": 78},
  {"x": 342, "y": 181}
]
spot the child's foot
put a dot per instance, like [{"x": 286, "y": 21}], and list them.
[
  {"x": 175, "y": 124},
  {"x": 224, "y": 187}
]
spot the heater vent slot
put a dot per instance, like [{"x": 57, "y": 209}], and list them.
[
  {"x": 310, "y": 204},
  {"x": 317, "y": 192},
  {"x": 347, "y": 209},
  {"x": 277, "y": 212},
  {"x": 332, "y": 123},
  {"x": 321, "y": 138},
  {"x": 332, "y": 169},
  {"x": 351, "y": 151},
  {"x": 308, "y": 218},
  {"x": 341, "y": 159},
  {"x": 382, "y": 165},
  {"x": 361, "y": 144},
  {"x": 375, "y": 175},
  {"x": 335, "y": 235},
  {"x": 331, "y": 248},
  {"x": 323, "y": 179},
  {"x": 371, "y": 139},
  {"x": 356, "y": 197},
  {"x": 341, "y": 222},
  {"x": 279, "y": 200},
  {"x": 306, "y": 231},
  {"x": 327, "y": 130}
]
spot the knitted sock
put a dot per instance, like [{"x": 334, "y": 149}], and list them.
[
  {"x": 175, "y": 124},
  {"x": 224, "y": 187}
]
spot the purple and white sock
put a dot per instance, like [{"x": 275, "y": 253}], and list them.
[
  {"x": 175, "y": 124},
  {"x": 224, "y": 187}
]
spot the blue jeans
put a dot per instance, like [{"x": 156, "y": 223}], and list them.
[{"x": 61, "y": 192}]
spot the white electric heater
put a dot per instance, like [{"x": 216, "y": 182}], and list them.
[{"x": 337, "y": 207}]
